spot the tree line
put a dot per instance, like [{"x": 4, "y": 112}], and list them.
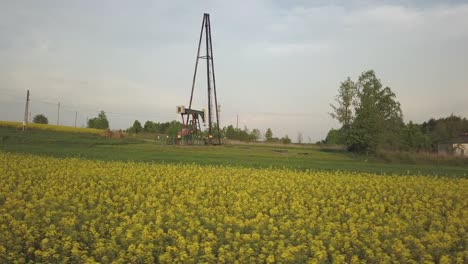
[
  {"x": 253, "y": 135},
  {"x": 229, "y": 132},
  {"x": 371, "y": 119},
  {"x": 167, "y": 128},
  {"x": 171, "y": 128}
]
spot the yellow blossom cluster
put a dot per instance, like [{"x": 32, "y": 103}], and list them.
[
  {"x": 72, "y": 210},
  {"x": 48, "y": 127}
]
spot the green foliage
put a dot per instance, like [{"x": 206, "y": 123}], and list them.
[
  {"x": 99, "y": 122},
  {"x": 285, "y": 140},
  {"x": 40, "y": 119},
  {"x": 336, "y": 137},
  {"x": 173, "y": 128},
  {"x": 170, "y": 128},
  {"x": 310, "y": 157},
  {"x": 150, "y": 127},
  {"x": 269, "y": 135},
  {"x": 445, "y": 129},
  {"x": 136, "y": 127},
  {"x": 343, "y": 111},
  {"x": 156, "y": 127},
  {"x": 214, "y": 131},
  {"x": 413, "y": 138},
  {"x": 371, "y": 120},
  {"x": 241, "y": 134},
  {"x": 377, "y": 119},
  {"x": 254, "y": 135}
]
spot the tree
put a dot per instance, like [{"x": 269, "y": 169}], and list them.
[
  {"x": 268, "y": 135},
  {"x": 413, "y": 138},
  {"x": 243, "y": 135},
  {"x": 230, "y": 132},
  {"x": 285, "y": 140},
  {"x": 300, "y": 138},
  {"x": 378, "y": 118},
  {"x": 99, "y": 122},
  {"x": 149, "y": 127},
  {"x": 162, "y": 127},
  {"x": 444, "y": 129},
  {"x": 136, "y": 127},
  {"x": 40, "y": 119},
  {"x": 335, "y": 137},
  {"x": 343, "y": 111},
  {"x": 254, "y": 135},
  {"x": 173, "y": 128}
]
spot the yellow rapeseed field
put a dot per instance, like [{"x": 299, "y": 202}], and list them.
[
  {"x": 71, "y": 210},
  {"x": 19, "y": 125}
]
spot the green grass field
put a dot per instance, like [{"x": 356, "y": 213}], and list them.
[{"x": 62, "y": 144}]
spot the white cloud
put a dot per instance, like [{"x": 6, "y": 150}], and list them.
[{"x": 269, "y": 55}]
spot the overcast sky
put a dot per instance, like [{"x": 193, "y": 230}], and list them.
[{"x": 278, "y": 63}]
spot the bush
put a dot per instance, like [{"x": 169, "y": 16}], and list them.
[{"x": 40, "y": 119}]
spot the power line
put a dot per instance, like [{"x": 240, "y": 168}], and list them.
[
  {"x": 79, "y": 108},
  {"x": 44, "y": 102}
]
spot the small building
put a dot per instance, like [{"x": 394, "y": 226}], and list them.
[{"x": 456, "y": 147}]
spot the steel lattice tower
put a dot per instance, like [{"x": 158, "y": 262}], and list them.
[{"x": 213, "y": 129}]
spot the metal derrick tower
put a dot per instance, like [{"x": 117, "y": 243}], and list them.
[{"x": 191, "y": 120}]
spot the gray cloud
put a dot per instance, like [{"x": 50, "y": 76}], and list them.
[{"x": 278, "y": 65}]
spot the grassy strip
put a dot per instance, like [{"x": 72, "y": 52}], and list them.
[{"x": 59, "y": 144}]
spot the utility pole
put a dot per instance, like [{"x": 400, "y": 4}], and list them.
[
  {"x": 26, "y": 110},
  {"x": 58, "y": 113},
  {"x": 237, "y": 122},
  {"x": 76, "y": 115},
  {"x": 30, "y": 119}
]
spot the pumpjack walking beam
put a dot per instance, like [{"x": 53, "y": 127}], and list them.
[{"x": 210, "y": 75}]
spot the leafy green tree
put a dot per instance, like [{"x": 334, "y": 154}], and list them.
[
  {"x": 335, "y": 137},
  {"x": 162, "y": 127},
  {"x": 449, "y": 128},
  {"x": 343, "y": 111},
  {"x": 254, "y": 135},
  {"x": 173, "y": 128},
  {"x": 378, "y": 118},
  {"x": 40, "y": 119},
  {"x": 150, "y": 127},
  {"x": 444, "y": 129},
  {"x": 413, "y": 138},
  {"x": 137, "y": 127},
  {"x": 241, "y": 134},
  {"x": 99, "y": 122},
  {"x": 268, "y": 135},
  {"x": 285, "y": 140},
  {"x": 230, "y": 132}
]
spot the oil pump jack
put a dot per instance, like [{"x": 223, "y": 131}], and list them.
[{"x": 191, "y": 117}]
